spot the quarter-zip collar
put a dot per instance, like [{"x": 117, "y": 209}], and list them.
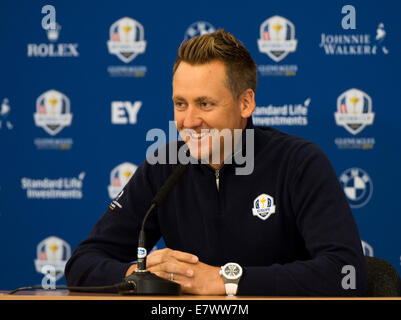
[
  {"x": 217, "y": 174},
  {"x": 202, "y": 163}
]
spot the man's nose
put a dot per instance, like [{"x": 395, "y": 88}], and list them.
[{"x": 192, "y": 118}]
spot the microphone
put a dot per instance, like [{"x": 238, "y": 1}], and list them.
[{"x": 142, "y": 281}]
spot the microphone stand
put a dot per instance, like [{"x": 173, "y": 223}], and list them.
[{"x": 142, "y": 281}]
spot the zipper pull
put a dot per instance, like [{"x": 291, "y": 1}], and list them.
[{"x": 217, "y": 173}]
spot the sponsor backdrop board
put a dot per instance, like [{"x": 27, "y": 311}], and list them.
[{"x": 82, "y": 82}]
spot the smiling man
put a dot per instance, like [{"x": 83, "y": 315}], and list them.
[
  {"x": 284, "y": 229},
  {"x": 206, "y": 121}
]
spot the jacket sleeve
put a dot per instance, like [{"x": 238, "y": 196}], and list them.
[
  {"x": 325, "y": 222},
  {"x": 104, "y": 257}
]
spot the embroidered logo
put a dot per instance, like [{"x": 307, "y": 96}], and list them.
[
  {"x": 115, "y": 202},
  {"x": 263, "y": 206}
]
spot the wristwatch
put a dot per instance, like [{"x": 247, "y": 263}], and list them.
[{"x": 231, "y": 273}]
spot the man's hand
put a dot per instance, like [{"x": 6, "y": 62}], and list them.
[{"x": 194, "y": 276}]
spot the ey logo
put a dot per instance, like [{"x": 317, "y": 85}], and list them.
[{"x": 125, "y": 112}]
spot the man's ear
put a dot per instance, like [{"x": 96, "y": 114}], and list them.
[{"x": 247, "y": 103}]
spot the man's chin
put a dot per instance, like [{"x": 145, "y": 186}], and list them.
[
  {"x": 205, "y": 157},
  {"x": 199, "y": 155}
]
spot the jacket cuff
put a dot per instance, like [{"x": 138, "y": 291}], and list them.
[
  {"x": 261, "y": 281},
  {"x": 113, "y": 272}
]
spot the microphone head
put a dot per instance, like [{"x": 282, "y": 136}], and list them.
[{"x": 169, "y": 184}]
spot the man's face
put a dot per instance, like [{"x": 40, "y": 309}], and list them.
[{"x": 204, "y": 104}]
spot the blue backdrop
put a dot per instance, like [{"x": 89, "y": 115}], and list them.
[{"x": 78, "y": 99}]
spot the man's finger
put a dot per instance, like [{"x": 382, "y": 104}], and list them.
[
  {"x": 183, "y": 256},
  {"x": 163, "y": 255},
  {"x": 184, "y": 282},
  {"x": 176, "y": 268},
  {"x": 156, "y": 258},
  {"x": 172, "y": 277}
]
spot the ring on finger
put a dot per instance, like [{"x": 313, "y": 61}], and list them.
[{"x": 172, "y": 276}]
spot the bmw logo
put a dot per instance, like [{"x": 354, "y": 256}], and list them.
[{"x": 357, "y": 186}]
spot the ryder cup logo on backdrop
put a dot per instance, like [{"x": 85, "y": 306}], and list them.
[
  {"x": 126, "y": 39},
  {"x": 119, "y": 177},
  {"x": 52, "y": 112},
  {"x": 198, "y": 28},
  {"x": 357, "y": 185},
  {"x": 354, "y": 111},
  {"x": 277, "y": 38},
  {"x": 263, "y": 206},
  {"x": 53, "y": 252}
]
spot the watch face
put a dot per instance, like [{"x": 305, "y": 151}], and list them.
[{"x": 232, "y": 271}]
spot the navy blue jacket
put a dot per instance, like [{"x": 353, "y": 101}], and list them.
[{"x": 300, "y": 250}]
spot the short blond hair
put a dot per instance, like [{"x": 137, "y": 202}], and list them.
[{"x": 241, "y": 71}]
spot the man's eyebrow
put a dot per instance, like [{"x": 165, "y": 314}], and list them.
[
  {"x": 197, "y": 100},
  {"x": 178, "y": 98},
  {"x": 203, "y": 98}
]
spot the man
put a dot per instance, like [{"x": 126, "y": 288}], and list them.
[{"x": 285, "y": 229}]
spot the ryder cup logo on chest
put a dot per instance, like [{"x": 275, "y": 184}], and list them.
[
  {"x": 354, "y": 111},
  {"x": 52, "y": 112},
  {"x": 126, "y": 39},
  {"x": 119, "y": 177},
  {"x": 263, "y": 206},
  {"x": 277, "y": 38},
  {"x": 357, "y": 186}
]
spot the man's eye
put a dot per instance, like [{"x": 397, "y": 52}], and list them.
[
  {"x": 206, "y": 104},
  {"x": 179, "y": 104}
]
